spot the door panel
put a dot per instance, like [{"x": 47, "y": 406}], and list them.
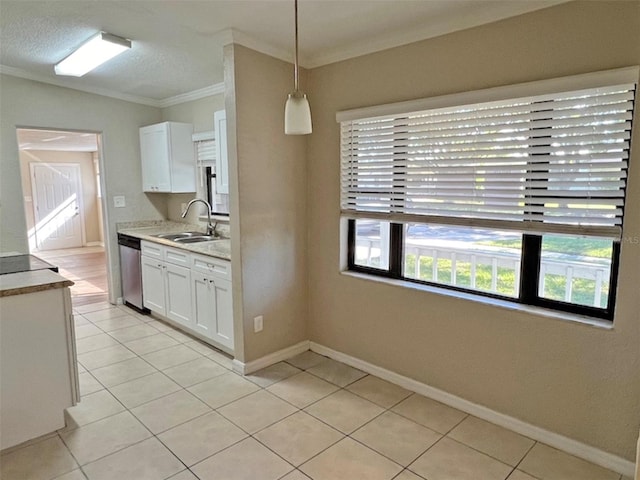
[
  {"x": 153, "y": 285},
  {"x": 178, "y": 281},
  {"x": 58, "y": 205}
]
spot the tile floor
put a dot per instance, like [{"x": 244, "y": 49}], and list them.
[{"x": 158, "y": 405}]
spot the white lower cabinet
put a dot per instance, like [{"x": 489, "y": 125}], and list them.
[{"x": 190, "y": 289}]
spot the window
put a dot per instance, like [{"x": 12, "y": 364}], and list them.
[
  {"x": 519, "y": 196},
  {"x": 205, "y": 157}
]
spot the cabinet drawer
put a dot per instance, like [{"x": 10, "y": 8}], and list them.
[
  {"x": 152, "y": 250},
  {"x": 177, "y": 257},
  {"x": 211, "y": 266}
]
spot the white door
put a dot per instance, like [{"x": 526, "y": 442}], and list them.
[
  {"x": 178, "y": 285},
  {"x": 224, "y": 312},
  {"x": 57, "y": 200},
  {"x": 153, "y": 294}
]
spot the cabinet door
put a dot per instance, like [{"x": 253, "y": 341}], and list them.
[
  {"x": 153, "y": 285},
  {"x": 178, "y": 286},
  {"x": 204, "y": 312},
  {"x": 223, "y": 332},
  {"x": 222, "y": 162},
  {"x": 154, "y": 154}
]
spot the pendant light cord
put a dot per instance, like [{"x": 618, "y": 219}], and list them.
[{"x": 295, "y": 65}]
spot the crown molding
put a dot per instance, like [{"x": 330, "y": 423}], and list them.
[
  {"x": 232, "y": 35},
  {"x": 214, "y": 89},
  {"x": 489, "y": 14},
  {"x": 18, "y": 72},
  {"x": 209, "y": 91}
]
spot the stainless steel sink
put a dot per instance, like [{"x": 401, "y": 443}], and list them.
[
  {"x": 197, "y": 239},
  {"x": 176, "y": 236}
]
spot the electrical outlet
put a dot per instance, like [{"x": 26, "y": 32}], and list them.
[
  {"x": 119, "y": 202},
  {"x": 258, "y": 324}
]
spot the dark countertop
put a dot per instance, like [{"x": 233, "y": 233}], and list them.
[{"x": 23, "y": 263}]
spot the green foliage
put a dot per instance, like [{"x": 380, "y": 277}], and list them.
[{"x": 585, "y": 247}]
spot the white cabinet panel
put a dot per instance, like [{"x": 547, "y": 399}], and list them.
[
  {"x": 153, "y": 290},
  {"x": 178, "y": 288},
  {"x": 223, "y": 332},
  {"x": 222, "y": 161},
  {"x": 167, "y": 156}
]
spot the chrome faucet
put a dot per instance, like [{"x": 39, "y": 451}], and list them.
[{"x": 211, "y": 227}]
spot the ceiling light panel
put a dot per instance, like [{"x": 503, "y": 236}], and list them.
[{"x": 94, "y": 52}]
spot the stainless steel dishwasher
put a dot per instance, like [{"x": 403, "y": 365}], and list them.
[{"x": 131, "y": 272}]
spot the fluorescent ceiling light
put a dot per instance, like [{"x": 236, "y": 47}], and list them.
[{"x": 94, "y": 52}]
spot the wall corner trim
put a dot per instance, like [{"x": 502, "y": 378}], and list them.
[
  {"x": 574, "y": 447},
  {"x": 270, "y": 359}
]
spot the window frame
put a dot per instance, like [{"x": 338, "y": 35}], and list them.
[{"x": 529, "y": 273}]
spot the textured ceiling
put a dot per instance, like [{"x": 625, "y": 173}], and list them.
[{"x": 177, "y": 44}]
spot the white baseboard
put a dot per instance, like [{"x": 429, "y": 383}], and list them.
[
  {"x": 94, "y": 244},
  {"x": 574, "y": 447},
  {"x": 267, "y": 360}
]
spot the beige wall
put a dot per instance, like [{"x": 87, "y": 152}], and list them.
[
  {"x": 573, "y": 379},
  {"x": 25, "y": 103},
  {"x": 200, "y": 114},
  {"x": 88, "y": 179},
  {"x": 268, "y": 205}
]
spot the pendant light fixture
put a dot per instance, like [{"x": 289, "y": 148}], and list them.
[{"x": 297, "y": 114}]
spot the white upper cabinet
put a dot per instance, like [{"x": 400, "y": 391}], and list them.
[
  {"x": 168, "y": 162},
  {"x": 222, "y": 163}
]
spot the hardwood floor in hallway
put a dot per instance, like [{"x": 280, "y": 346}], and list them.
[{"x": 86, "y": 267}]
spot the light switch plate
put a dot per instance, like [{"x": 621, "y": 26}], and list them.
[{"x": 119, "y": 202}]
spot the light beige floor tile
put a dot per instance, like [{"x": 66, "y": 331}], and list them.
[
  {"x": 306, "y": 360},
  {"x": 75, "y": 475},
  {"x": 106, "y": 436},
  {"x": 105, "y": 356},
  {"x": 93, "y": 307},
  {"x": 184, "y": 475},
  {"x": 81, "y": 369},
  {"x": 519, "y": 475},
  {"x": 431, "y": 414},
  {"x": 170, "y": 357},
  {"x": 158, "y": 325},
  {"x": 295, "y": 475},
  {"x": 41, "y": 461},
  {"x": 272, "y": 374},
  {"x": 179, "y": 336},
  {"x": 247, "y": 460},
  {"x": 201, "y": 437},
  {"x": 88, "y": 384},
  {"x": 167, "y": 412},
  {"x": 407, "y": 475},
  {"x": 105, "y": 314},
  {"x": 195, "y": 371},
  {"x": 397, "y": 438},
  {"x": 122, "y": 372},
  {"x": 147, "y": 460},
  {"x": 116, "y": 323},
  {"x": 223, "y": 389},
  {"x": 495, "y": 441},
  {"x": 449, "y": 459},
  {"x": 344, "y": 410},
  {"x": 95, "y": 342},
  {"x": 379, "y": 391},
  {"x": 298, "y": 437},
  {"x": 257, "y": 411},
  {"x": 150, "y": 344},
  {"x": 87, "y": 330},
  {"x": 94, "y": 407},
  {"x": 144, "y": 389},
  {"x": 348, "y": 460},
  {"x": 79, "y": 320},
  {"x": 336, "y": 372},
  {"x": 127, "y": 334},
  {"x": 200, "y": 347},
  {"x": 547, "y": 463},
  {"x": 302, "y": 389}
]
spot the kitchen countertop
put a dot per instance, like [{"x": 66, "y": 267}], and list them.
[
  {"x": 146, "y": 231},
  {"x": 30, "y": 282}
]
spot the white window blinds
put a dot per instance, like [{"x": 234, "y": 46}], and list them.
[
  {"x": 205, "y": 149},
  {"x": 545, "y": 163}
]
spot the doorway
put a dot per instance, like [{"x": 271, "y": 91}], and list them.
[{"x": 63, "y": 206}]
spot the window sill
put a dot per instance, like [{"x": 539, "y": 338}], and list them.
[{"x": 505, "y": 304}]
